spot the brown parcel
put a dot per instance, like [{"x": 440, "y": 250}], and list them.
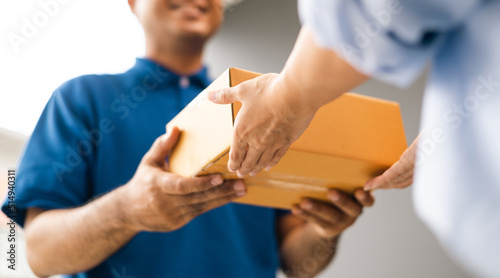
[{"x": 349, "y": 141}]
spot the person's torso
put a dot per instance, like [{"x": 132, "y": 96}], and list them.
[
  {"x": 457, "y": 181},
  {"x": 130, "y": 112}
]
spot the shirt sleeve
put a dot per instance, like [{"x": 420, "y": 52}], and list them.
[
  {"x": 390, "y": 40},
  {"x": 53, "y": 172}
]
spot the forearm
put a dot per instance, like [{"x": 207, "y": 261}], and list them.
[
  {"x": 74, "y": 240},
  {"x": 317, "y": 75},
  {"x": 304, "y": 253}
]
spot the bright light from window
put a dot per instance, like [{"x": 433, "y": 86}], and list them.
[{"x": 47, "y": 42}]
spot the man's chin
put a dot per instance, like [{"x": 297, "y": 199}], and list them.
[{"x": 193, "y": 33}]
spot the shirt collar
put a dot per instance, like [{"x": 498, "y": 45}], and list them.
[{"x": 148, "y": 69}]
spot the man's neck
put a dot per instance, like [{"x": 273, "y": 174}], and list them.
[{"x": 183, "y": 58}]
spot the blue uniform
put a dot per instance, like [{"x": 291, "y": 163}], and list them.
[{"x": 90, "y": 140}]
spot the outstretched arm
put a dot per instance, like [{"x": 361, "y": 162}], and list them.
[{"x": 277, "y": 108}]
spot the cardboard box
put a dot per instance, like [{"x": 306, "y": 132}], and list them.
[{"x": 349, "y": 141}]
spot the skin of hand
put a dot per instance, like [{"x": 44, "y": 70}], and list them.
[
  {"x": 162, "y": 201},
  {"x": 329, "y": 219},
  {"x": 313, "y": 230},
  {"x": 76, "y": 239},
  {"x": 276, "y": 109},
  {"x": 399, "y": 175},
  {"x": 279, "y": 121}
]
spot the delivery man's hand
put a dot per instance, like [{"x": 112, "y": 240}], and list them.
[
  {"x": 332, "y": 218},
  {"x": 399, "y": 175},
  {"x": 161, "y": 201},
  {"x": 269, "y": 121}
]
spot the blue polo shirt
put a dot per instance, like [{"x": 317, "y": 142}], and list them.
[{"x": 90, "y": 139}]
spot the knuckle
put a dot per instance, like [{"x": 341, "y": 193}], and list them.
[
  {"x": 149, "y": 179},
  {"x": 234, "y": 156},
  {"x": 237, "y": 91},
  {"x": 225, "y": 95},
  {"x": 342, "y": 201},
  {"x": 357, "y": 210},
  {"x": 336, "y": 217},
  {"x": 199, "y": 203},
  {"x": 179, "y": 186},
  {"x": 199, "y": 184}
]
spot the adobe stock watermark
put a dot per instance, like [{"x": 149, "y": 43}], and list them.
[
  {"x": 454, "y": 116},
  {"x": 122, "y": 106},
  {"x": 31, "y": 26},
  {"x": 324, "y": 250},
  {"x": 123, "y": 273},
  {"x": 11, "y": 240},
  {"x": 363, "y": 36}
]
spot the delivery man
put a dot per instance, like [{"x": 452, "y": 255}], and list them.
[{"x": 95, "y": 195}]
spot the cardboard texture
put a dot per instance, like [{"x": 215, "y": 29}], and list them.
[{"x": 349, "y": 141}]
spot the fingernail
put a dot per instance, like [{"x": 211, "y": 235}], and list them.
[
  {"x": 239, "y": 186},
  {"x": 334, "y": 196},
  {"x": 212, "y": 96},
  {"x": 240, "y": 175},
  {"x": 252, "y": 174},
  {"x": 269, "y": 167},
  {"x": 306, "y": 204},
  {"x": 217, "y": 180}
]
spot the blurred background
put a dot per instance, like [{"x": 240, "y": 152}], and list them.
[{"x": 84, "y": 37}]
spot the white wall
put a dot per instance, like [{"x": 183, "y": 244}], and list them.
[{"x": 388, "y": 240}]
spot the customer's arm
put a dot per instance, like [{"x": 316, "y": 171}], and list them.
[
  {"x": 308, "y": 237},
  {"x": 77, "y": 239},
  {"x": 277, "y": 108}
]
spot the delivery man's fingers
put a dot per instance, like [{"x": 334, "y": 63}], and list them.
[
  {"x": 204, "y": 203},
  {"x": 365, "y": 198},
  {"x": 200, "y": 199},
  {"x": 177, "y": 185},
  {"x": 345, "y": 203},
  {"x": 310, "y": 216},
  {"x": 325, "y": 211},
  {"x": 161, "y": 147},
  {"x": 224, "y": 96}
]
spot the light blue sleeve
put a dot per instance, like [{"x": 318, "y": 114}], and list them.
[{"x": 390, "y": 40}]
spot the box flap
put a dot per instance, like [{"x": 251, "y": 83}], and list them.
[{"x": 236, "y": 77}]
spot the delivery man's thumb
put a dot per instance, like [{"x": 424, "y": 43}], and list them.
[{"x": 162, "y": 146}]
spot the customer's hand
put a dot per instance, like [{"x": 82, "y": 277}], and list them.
[
  {"x": 161, "y": 201},
  {"x": 399, "y": 175},
  {"x": 329, "y": 219},
  {"x": 269, "y": 121}
]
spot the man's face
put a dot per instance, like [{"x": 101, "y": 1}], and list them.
[{"x": 176, "y": 19}]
